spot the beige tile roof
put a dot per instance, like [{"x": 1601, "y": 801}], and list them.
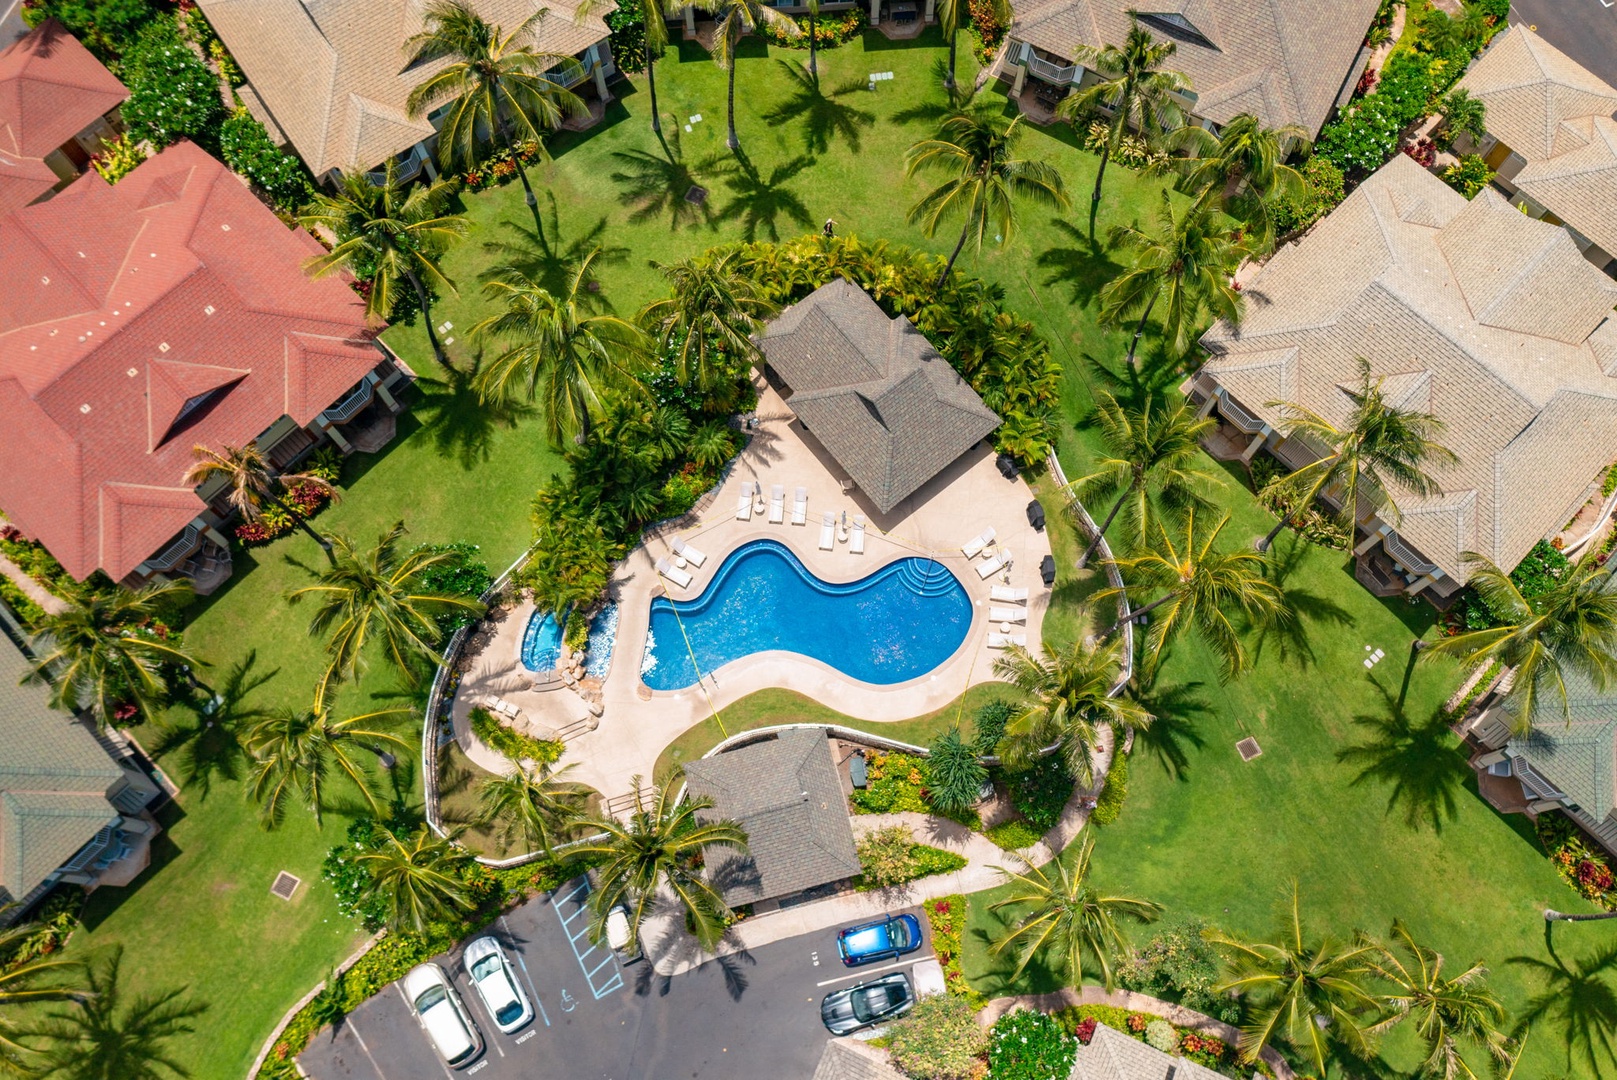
[
  {"x": 331, "y": 72},
  {"x": 1281, "y": 60},
  {"x": 1491, "y": 320},
  {"x": 850, "y": 1059},
  {"x": 1580, "y": 185},
  {"x": 1112, "y": 1055}
]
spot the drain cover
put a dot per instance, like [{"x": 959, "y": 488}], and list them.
[
  {"x": 285, "y": 885},
  {"x": 697, "y": 194},
  {"x": 1248, "y": 748}
]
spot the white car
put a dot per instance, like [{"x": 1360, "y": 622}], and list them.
[
  {"x": 497, "y": 984},
  {"x": 441, "y": 1013}
]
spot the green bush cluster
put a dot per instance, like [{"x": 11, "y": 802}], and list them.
[
  {"x": 1179, "y": 965},
  {"x": 513, "y": 744},
  {"x": 464, "y": 573},
  {"x": 890, "y": 856},
  {"x": 830, "y": 30},
  {"x": 172, "y": 94},
  {"x": 1109, "y": 804},
  {"x": 939, "y": 1039},
  {"x": 988, "y": 725},
  {"x": 1469, "y": 175},
  {"x": 53, "y": 920},
  {"x": 1025, "y": 1045},
  {"x": 946, "y": 917},
  {"x": 577, "y": 634},
  {"x": 105, "y": 27},
  {"x": 628, "y": 39},
  {"x": 1269, "y": 480},
  {"x": 1539, "y": 571},
  {"x": 954, "y": 774},
  {"x": 895, "y": 784},
  {"x": 1040, "y": 791},
  {"x": 1014, "y": 835},
  {"x": 1323, "y": 188},
  {"x": 247, "y": 149}
]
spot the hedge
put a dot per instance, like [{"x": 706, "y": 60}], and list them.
[{"x": 1110, "y": 803}]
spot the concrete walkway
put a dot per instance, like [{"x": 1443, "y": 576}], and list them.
[{"x": 53, "y": 604}]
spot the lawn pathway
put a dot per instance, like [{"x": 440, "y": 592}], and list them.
[{"x": 49, "y": 601}]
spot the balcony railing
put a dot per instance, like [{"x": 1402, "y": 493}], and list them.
[
  {"x": 569, "y": 78},
  {"x": 1054, "y": 73},
  {"x": 1237, "y": 414},
  {"x": 175, "y": 553},
  {"x": 1407, "y": 557},
  {"x": 89, "y": 853},
  {"x": 350, "y": 404}
]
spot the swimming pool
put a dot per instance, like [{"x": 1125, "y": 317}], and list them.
[
  {"x": 541, "y": 642},
  {"x": 894, "y": 625}
]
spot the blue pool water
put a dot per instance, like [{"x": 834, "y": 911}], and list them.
[
  {"x": 897, "y": 624},
  {"x": 603, "y": 632},
  {"x": 541, "y": 642}
]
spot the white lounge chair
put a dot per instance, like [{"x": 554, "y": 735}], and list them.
[
  {"x": 673, "y": 573},
  {"x": 828, "y": 531},
  {"x": 973, "y": 548},
  {"x": 1007, "y": 614},
  {"x": 1005, "y": 641},
  {"x": 697, "y": 558},
  {"x": 744, "y": 505},
  {"x": 993, "y": 566},
  {"x": 777, "y": 504},
  {"x": 1008, "y": 594},
  {"x": 856, "y": 539},
  {"x": 800, "y": 507}
]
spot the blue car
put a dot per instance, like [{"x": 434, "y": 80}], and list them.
[{"x": 887, "y": 939}]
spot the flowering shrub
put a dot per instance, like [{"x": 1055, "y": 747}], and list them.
[
  {"x": 830, "y": 30},
  {"x": 1041, "y": 791},
  {"x": 1086, "y": 1030},
  {"x": 1322, "y": 190},
  {"x": 1469, "y": 175},
  {"x": 117, "y": 159},
  {"x": 1580, "y": 866},
  {"x": 499, "y": 167},
  {"x": 1131, "y": 151},
  {"x": 1423, "y": 150},
  {"x": 1080, "y": 1021},
  {"x": 172, "y": 94},
  {"x": 947, "y": 918},
  {"x": 1029, "y": 1046},
  {"x": 989, "y": 28},
  {"x": 938, "y": 1040},
  {"x": 1367, "y": 82},
  {"x": 1160, "y": 1034},
  {"x": 1179, "y": 965},
  {"x": 247, "y": 149}
]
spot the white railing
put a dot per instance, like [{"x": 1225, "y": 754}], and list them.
[
  {"x": 1054, "y": 73},
  {"x": 350, "y": 404},
  {"x": 1237, "y": 414},
  {"x": 1407, "y": 556},
  {"x": 175, "y": 553},
  {"x": 567, "y": 78}
]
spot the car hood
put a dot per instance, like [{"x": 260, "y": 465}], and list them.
[{"x": 837, "y": 1010}]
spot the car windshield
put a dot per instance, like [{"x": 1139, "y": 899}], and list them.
[
  {"x": 870, "y": 1002},
  {"x": 432, "y": 996},
  {"x": 899, "y": 931},
  {"x": 489, "y": 965}
]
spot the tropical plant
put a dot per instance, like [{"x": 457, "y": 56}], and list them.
[
  {"x": 560, "y": 354},
  {"x": 498, "y": 88},
  {"x": 1188, "y": 262},
  {"x": 954, "y": 14},
  {"x": 388, "y": 234},
  {"x": 1153, "y": 455},
  {"x": 1380, "y": 444},
  {"x": 1068, "y": 695},
  {"x": 418, "y": 879},
  {"x": 25, "y": 985},
  {"x": 976, "y": 150},
  {"x": 939, "y": 1039},
  {"x": 1133, "y": 87},
  {"x": 954, "y": 774},
  {"x": 101, "y": 653},
  {"x": 734, "y": 20},
  {"x": 1200, "y": 587},
  {"x": 707, "y": 321},
  {"x": 1306, "y": 989},
  {"x": 378, "y": 594},
  {"x": 297, "y": 752},
  {"x": 1447, "y": 1012},
  {"x": 1242, "y": 170},
  {"x": 814, "y": 39},
  {"x": 250, "y": 482},
  {"x": 1462, "y": 115},
  {"x": 533, "y": 805},
  {"x": 663, "y": 844},
  {"x": 1570, "y": 629},
  {"x": 652, "y": 15},
  {"x": 1063, "y": 917},
  {"x": 107, "y": 1036}
]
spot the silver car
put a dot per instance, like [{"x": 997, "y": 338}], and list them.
[
  {"x": 497, "y": 985},
  {"x": 442, "y": 1015}
]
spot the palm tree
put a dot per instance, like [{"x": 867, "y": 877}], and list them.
[
  {"x": 418, "y": 879},
  {"x": 560, "y": 354},
  {"x": 1571, "y": 630},
  {"x": 1300, "y": 987},
  {"x": 1379, "y": 445},
  {"x": 814, "y": 39},
  {"x": 663, "y": 845},
  {"x": 1201, "y": 585},
  {"x": 1151, "y": 454},
  {"x": 378, "y": 594},
  {"x": 952, "y": 15},
  {"x": 396, "y": 232},
  {"x": 734, "y": 20},
  {"x": 495, "y": 84},
  {"x": 20, "y": 985},
  {"x": 297, "y": 752},
  {"x": 99, "y": 654},
  {"x": 1242, "y": 170},
  {"x": 105, "y": 1037},
  {"x": 533, "y": 805},
  {"x": 1189, "y": 262},
  {"x": 250, "y": 483},
  {"x": 976, "y": 150},
  {"x": 1446, "y": 1011},
  {"x": 712, "y": 310},
  {"x": 954, "y": 774},
  {"x": 1462, "y": 115},
  {"x": 1066, "y": 917},
  {"x": 1068, "y": 695},
  {"x": 653, "y": 16},
  {"x": 1133, "y": 87}
]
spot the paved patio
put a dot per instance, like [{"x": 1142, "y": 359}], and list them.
[{"x": 637, "y": 723}]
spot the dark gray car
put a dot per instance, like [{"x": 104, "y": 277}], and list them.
[{"x": 874, "y": 1002}]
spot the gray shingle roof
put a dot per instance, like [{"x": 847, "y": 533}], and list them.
[
  {"x": 1579, "y": 757},
  {"x": 873, "y": 391},
  {"x": 54, "y": 778},
  {"x": 1112, "y": 1055},
  {"x": 1494, "y": 318},
  {"x": 332, "y": 74},
  {"x": 1284, "y": 62},
  {"x": 786, "y": 794},
  {"x": 846, "y": 1059}
]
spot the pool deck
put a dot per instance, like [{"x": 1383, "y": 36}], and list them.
[{"x": 637, "y": 723}]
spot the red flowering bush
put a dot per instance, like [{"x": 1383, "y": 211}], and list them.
[
  {"x": 1424, "y": 152},
  {"x": 1367, "y": 82},
  {"x": 1086, "y": 1030},
  {"x": 124, "y": 712},
  {"x": 1594, "y": 876}
]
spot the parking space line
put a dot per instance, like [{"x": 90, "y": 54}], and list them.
[
  {"x": 411, "y": 1010},
  {"x": 379, "y": 1073},
  {"x": 871, "y": 971},
  {"x": 615, "y": 981},
  {"x": 532, "y": 989}
]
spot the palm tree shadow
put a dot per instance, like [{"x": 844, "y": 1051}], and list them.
[
  {"x": 460, "y": 423},
  {"x": 676, "y": 941},
  {"x": 760, "y": 201},
  {"x": 1578, "y": 1000},
  {"x": 1082, "y": 268},
  {"x": 1416, "y": 759},
  {"x": 668, "y": 185},
  {"x": 824, "y": 115},
  {"x": 1304, "y": 608},
  {"x": 933, "y": 109},
  {"x": 545, "y": 259},
  {"x": 1153, "y": 375},
  {"x": 210, "y": 747},
  {"x": 1172, "y": 729}
]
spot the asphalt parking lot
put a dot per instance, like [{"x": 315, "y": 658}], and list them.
[
  {"x": 1585, "y": 30},
  {"x": 750, "y": 1015}
]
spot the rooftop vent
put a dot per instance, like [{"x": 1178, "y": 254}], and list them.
[
  {"x": 208, "y": 310},
  {"x": 85, "y": 407},
  {"x": 163, "y": 347}
]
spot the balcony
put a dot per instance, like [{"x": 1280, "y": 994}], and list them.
[
  {"x": 568, "y": 77},
  {"x": 1237, "y": 414},
  {"x": 189, "y": 540},
  {"x": 350, "y": 404},
  {"x": 1054, "y": 73},
  {"x": 1410, "y": 559}
]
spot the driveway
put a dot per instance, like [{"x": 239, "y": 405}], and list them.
[
  {"x": 1585, "y": 30},
  {"x": 746, "y": 1015}
]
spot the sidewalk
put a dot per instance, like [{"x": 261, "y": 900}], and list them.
[{"x": 53, "y": 604}]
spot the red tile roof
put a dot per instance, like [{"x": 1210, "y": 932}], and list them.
[
  {"x": 121, "y": 305},
  {"x": 51, "y": 89}
]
